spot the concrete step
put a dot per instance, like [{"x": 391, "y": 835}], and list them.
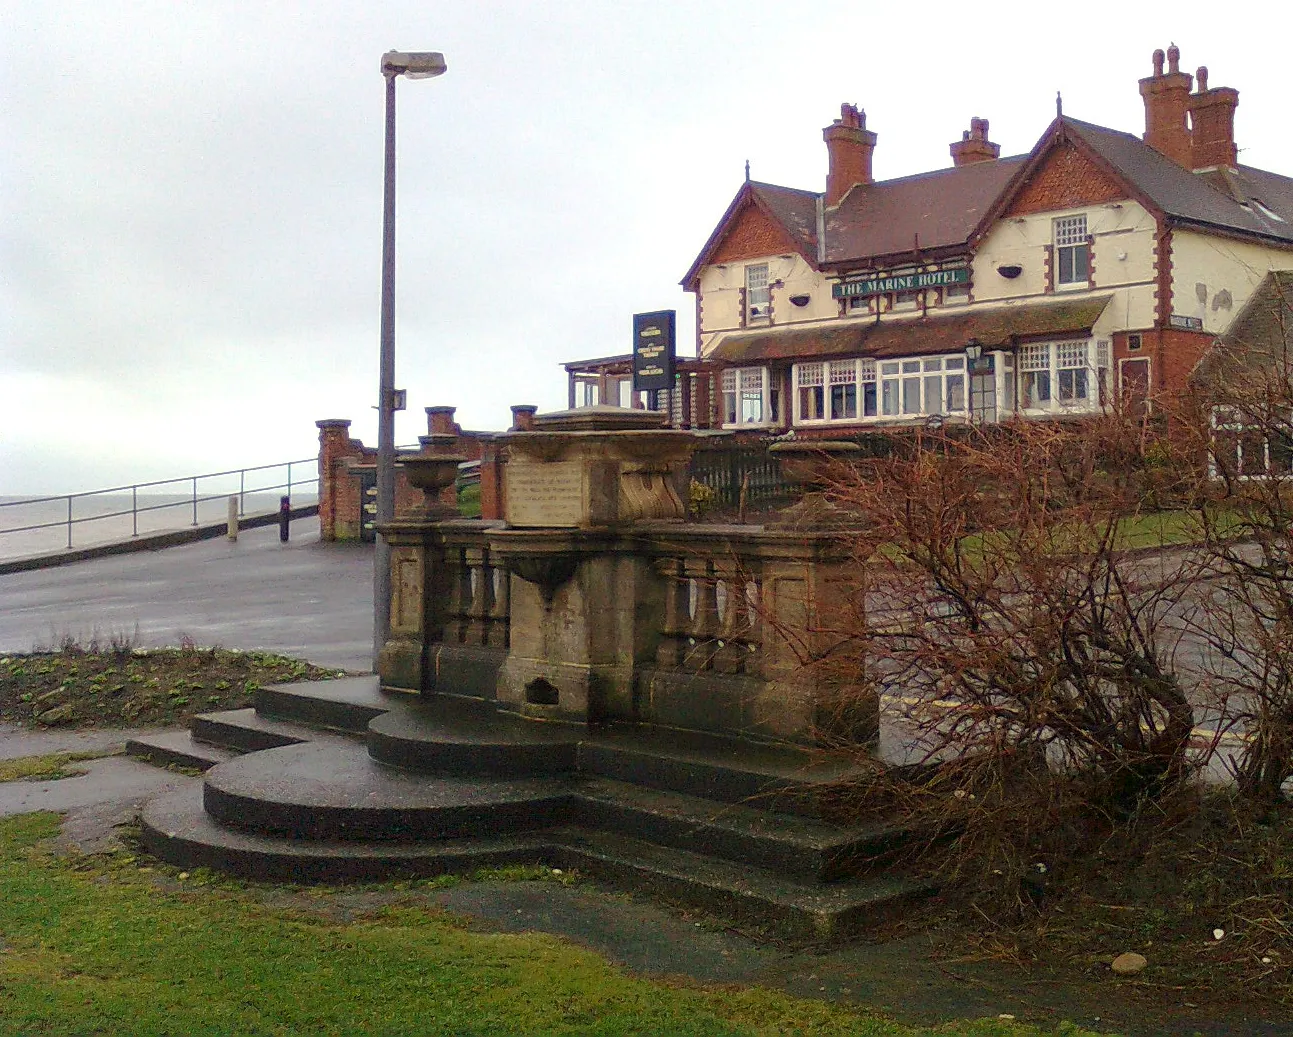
[
  {"x": 446, "y": 735},
  {"x": 333, "y": 790},
  {"x": 246, "y": 731},
  {"x": 176, "y": 749},
  {"x": 175, "y": 828},
  {"x": 743, "y": 893},
  {"x": 346, "y": 704},
  {"x": 782, "y": 778},
  {"x": 804, "y": 848}
]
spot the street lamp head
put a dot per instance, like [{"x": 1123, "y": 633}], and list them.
[{"x": 413, "y": 64}]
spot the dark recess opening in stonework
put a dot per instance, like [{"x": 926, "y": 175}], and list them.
[{"x": 541, "y": 693}]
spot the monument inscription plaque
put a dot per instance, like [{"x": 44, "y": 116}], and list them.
[{"x": 545, "y": 494}]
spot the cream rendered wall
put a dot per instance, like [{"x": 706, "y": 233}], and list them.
[
  {"x": 1123, "y": 255},
  {"x": 1212, "y": 276},
  {"x": 720, "y": 295}
]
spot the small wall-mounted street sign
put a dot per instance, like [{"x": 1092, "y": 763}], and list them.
[
  {"x": 1186, "y": 323},
  {"x": 653, "y": 350},
  {"x": 901, "y": 283}
]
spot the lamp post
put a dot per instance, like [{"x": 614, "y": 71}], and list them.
[{"x": 414, "y": 65}]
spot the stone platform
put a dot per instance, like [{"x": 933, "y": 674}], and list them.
[{"x": 337, "y": 781}]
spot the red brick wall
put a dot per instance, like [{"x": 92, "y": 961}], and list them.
[
  {"x": 753, "y": 236},
  {"x": 1066, "y": 180}
]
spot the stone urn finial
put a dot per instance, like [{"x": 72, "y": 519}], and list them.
[
  {"x": 812, "y": 464},
  {"x": 432, "y": 474}
]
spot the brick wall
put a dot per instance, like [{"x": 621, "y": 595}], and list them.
[{"x": 1066, "y": 180}]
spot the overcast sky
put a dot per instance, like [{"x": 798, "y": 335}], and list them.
[{"x": 190, "y": 193}]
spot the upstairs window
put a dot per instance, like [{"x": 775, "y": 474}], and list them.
[
  {"x": 1072, "y": 252},
  {"x": 758, "y": 296}
]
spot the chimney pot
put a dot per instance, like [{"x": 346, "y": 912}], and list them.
[
  {"x": 1201, "y": 79},
  {"x": 523, "y": 417},
  {"x": 1158, "y": 63},
  {"x": 1173, "y": 59}
]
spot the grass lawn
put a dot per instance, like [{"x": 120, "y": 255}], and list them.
[{"x": 104, "y": 945}]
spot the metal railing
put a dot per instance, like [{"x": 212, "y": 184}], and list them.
[{"x": 112, "y": 510}]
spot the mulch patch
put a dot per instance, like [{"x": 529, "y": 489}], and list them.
[{"x": 127, "y": 687}]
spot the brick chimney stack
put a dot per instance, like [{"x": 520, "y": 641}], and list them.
[
  {"x": 1212, "y": 121},
  {"x": 974, "y": 145},
  {"x": 1167, "y": 99},
  {"x": 849, "y": 145}
]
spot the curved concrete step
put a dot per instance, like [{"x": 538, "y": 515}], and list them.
[
  {"x": 344, "y": 704},
  {"x": 443, "y": 735},
  {"x": 176, "y": 829},
  {"x": 334, "y": 790}
]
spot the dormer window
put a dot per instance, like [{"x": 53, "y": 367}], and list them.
[
  {"x": 758, "y": 296},
  {"x": 1072, "y": 252}
]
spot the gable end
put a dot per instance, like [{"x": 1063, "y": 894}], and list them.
[{"x": 1066, "y": 179}]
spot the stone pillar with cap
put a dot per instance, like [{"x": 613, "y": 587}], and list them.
[{"x": 584, "y": 596}]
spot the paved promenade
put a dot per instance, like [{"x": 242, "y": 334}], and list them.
[{"x": 305, "y": 599}]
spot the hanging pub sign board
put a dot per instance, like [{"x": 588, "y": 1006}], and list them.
[
  {"x": 901, "y": 283},
  {"x": 653, "y": 350}
]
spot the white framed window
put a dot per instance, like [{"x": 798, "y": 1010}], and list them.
[
  {"x": 749, "y": 397},
  {"x": 1059, "y": 377},
  {"x": 1243, "y": 449},
  {"x": 1072, "y": 252},
  {"x": 758, "y": 296},
  {"x": 865, "y": 389}
]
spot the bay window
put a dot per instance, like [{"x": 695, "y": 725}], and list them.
[
  {"x": 1055, "y": 377},
  {"x": 749, "y": 397},
  {"x": 863, "y": 389}
]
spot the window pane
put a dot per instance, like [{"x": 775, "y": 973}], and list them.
[
  {"x": 1066, "y": 265},
  {"x": 911, "y": 395},
  {"x": 890, "y": 397},
  {"x": 1080, "y": 263},
  {"x": 933, "y": 394},
  {"x": 844, "y": 401},
  {"x": 911, "y": 367},
  {"x": 1036, "y": 388},
  {"x": 751, "y": 407},
  {"x": 868, "y": 400},
  {"x": 810, "y": 403},
  {"x": 955, "y": 393}
]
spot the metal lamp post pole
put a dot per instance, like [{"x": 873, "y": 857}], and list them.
[
  {"x": 386, "y": 391},
  {"x": 419, "y": 65}
]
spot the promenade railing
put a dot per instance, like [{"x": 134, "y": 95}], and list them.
[{"x": 121, "y": 512}]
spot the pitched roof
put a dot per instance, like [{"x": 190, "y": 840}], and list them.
[
  {"x": 1215, "y": 199},
  {"x": 793, "y": 209},
  {"x": 921, "y": 336},
  {"x": 928, "y": 211}
]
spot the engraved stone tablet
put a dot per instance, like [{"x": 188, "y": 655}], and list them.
[{"x": 545, "y": 494}]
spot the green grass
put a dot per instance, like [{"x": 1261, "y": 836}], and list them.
[
  {"x": 95, "y": 945},
  {"x": 46, "y": 768}
]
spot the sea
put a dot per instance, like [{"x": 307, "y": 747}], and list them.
[{"x": 36, "y": 526}]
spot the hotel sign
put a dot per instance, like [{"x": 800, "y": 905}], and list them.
[
  {"x": 653, "y": 350},
  {"x": 901, "y": 283}
]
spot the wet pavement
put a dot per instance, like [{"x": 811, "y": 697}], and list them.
[{"x": 304, "y": 599}]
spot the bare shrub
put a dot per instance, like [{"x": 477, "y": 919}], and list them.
[
  {"x": 1242, "y": 416},
  {"x": 1016, "y": 632}
]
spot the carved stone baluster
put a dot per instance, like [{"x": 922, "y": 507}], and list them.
[
  {"x": 705, "y": 621},
  {"x": 482, "y": 595},
  {"x": 730, "y": 650},
  {"x": 673, "y": 630},
  {"x": 500, "y": 612}
]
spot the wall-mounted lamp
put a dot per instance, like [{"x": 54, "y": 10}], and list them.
[
  {"x": 973, "y": 351},
  {"x": 1010, "y": 270}
]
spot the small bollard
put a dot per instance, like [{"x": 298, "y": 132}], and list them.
[
  {"x": 231, "y": 526},
  {"x": 284, "y": 517}
]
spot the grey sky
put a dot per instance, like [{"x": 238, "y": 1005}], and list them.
[{"x": 190, "y": 223}]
